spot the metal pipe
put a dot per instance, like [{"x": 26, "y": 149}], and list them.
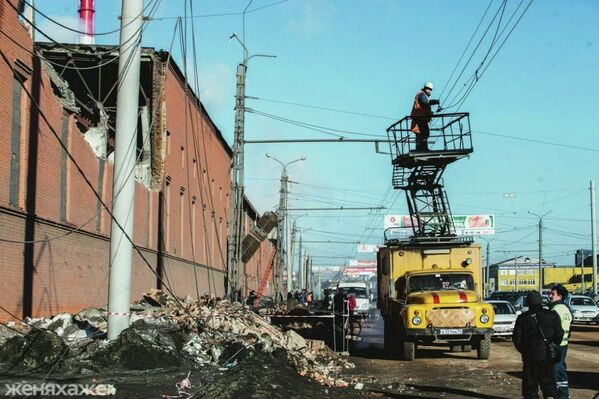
[
  {"x": 86, "y": 21},
  {"x": 119, "y": 288}
]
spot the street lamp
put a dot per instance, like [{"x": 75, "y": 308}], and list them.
[
  {"x": 540, "y": 246},
  {"x": 282, "y": 230},
  {"x": 234, "y": 262}
]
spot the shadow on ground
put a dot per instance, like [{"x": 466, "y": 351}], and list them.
[{"x": 576, "y": 379}]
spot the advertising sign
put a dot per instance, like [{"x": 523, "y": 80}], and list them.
[
  {"x": 368, "y": 248},
  {"x": 465, "y": 225}
]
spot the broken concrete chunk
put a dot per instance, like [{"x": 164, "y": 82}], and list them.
[{"x": 295, "y": 341}]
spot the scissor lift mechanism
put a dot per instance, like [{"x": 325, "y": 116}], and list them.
[{"x": 419, "y": 173}]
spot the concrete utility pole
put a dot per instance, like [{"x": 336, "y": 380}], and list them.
[
  {"x": 119, "y": 287},
  {"x": 488, "y": 277},
  {"x": 540, "y": 246},
  {"x": 291, "y": 253},
  {"x": 236, "y": 232},
  {"x": 281, "y": 230},
  {"x": 280, "y": 263},
  {"x": 310, "y": 277},
  {"x": 300, "y": 256},
  {"x": 594, "y": 236},
  {"x": 516, "y": 258},
  {"x": 582, "y": 269}
]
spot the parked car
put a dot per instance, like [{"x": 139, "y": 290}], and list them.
[
  {"x": 505, "y": 318},
  {"x": 584, "y": 309},
  {"x": 360, "y": 290},
  {"x": 521, "y": 304},
  {"x": 510, "y": 296}
]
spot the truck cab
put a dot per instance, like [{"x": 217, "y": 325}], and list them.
[{"x": 432, "y": 295}]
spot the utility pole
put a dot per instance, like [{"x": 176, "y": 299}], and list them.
[
  {"x": 234, "y": 262},
  {"x": 236, "y": 205},
  {"x": 300, "y": 256},
  {"x": 119, "y": 287},
  {"x": 280, "y": 261},
  {"x": 309, "y": 284},
  {"x": 540, "y": 246},
  {"x": 488, "y": 277},
  {"x": 516, "y": 273},
  {"x": 582, "y": 267},
  {"x": 291, "y": 257},
  {"x": 281, "y": 230},
  {"x": 594, "y": 236}
]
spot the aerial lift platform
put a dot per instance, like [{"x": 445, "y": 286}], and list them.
[{"x": 420, "y": 174}]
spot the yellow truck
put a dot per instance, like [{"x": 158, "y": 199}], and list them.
[{"x": 432, "y": 294}]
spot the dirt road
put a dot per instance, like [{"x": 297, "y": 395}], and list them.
[{"x": 438, "y": 373}]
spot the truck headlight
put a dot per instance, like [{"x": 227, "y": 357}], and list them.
[
  {"x": 484, "y": 318},
  {"x": 416, "y": 320}
]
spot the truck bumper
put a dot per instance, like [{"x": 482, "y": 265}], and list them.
[{"x": 447, "y": 334}]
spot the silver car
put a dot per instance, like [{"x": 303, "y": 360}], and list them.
[
  {"x": 584, "y": 309},
  {"x": 505, "y": 318}
]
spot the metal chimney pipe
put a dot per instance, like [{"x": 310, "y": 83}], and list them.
[{"x": 86, "y": 21}]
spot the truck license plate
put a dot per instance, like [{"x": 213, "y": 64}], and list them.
[{"x": 451, "y": 331}]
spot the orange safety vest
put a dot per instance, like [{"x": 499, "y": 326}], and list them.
[{"x": 418, "y": 113}]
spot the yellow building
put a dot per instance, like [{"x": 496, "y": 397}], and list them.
[{"x": 522, "y": 274}]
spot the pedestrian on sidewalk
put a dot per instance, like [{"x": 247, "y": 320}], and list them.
[
  {"x": 528, "y": 334},
  {"x": 557, "y": 296}
]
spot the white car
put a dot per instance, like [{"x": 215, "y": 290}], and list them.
[
  {"x": 505, "y": 318},
  {"x": 584, "y": 309},
  {"x": 360, "y": 290}
]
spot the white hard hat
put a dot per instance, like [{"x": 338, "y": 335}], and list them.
[{"x": 428, "y": 85}]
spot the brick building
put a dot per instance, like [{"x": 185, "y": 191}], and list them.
[{"x": 54, "y": 227}]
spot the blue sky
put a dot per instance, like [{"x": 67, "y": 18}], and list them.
[{"x": 371, "y": 57}]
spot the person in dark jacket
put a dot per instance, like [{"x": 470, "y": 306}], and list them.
[
  {"x": 251, "y": 299},
  {"x": 529, "y": 342},
  {"x": 421, "y": 116}
]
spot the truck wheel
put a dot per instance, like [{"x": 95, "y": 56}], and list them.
[
  {"x": 467, "y": 348},
  {"x": 409, "y": 350},
  {"x": 483, "y": 349}
]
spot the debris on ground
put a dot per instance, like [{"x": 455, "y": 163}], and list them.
[{"x": 169, "y": 333}]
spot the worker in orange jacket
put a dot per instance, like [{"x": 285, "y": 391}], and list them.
[{"x": 421, "y": 116}]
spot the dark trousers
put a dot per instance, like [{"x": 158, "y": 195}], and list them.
[
  {"x": 422, "y": 137},
  {"x": 560, "y": 371},
  {"x": 538, "y": 374}
]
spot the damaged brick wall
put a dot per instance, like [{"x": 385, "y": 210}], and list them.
[{"x": 65, "y": 267}]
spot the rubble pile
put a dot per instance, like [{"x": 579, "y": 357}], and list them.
[
  {"x": 165, "y": 333},
  {"x": 216, "y": 325}
]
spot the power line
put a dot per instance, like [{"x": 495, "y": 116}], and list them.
[
  {"x": 321, "y": 108},
  {"x": 223, "y": 14},
  {"x": 478, "y": 76},
  {"x": 86, "y": 179},
  {"x": 537, "y": 141},
  {"x": 475, "y": 49},
  {"x": 465, "y": 49},
  {"x": 312, "y": 126},
  {"x": 37, "y": 10},
  {"x": 156, "y": 4}
]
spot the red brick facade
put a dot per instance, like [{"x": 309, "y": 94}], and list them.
[{"x": 54, "y": 243}]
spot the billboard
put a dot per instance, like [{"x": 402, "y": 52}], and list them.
[
  {"x": 465, "y": 225},
  {"x": 368, "y": 248}
]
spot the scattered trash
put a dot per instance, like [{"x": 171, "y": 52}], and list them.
[
  {"x": 166, "y": 332},
  {"x": 182, "y": 386}
]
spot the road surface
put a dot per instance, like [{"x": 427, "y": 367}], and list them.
[{"x": 438, "y": 373}]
